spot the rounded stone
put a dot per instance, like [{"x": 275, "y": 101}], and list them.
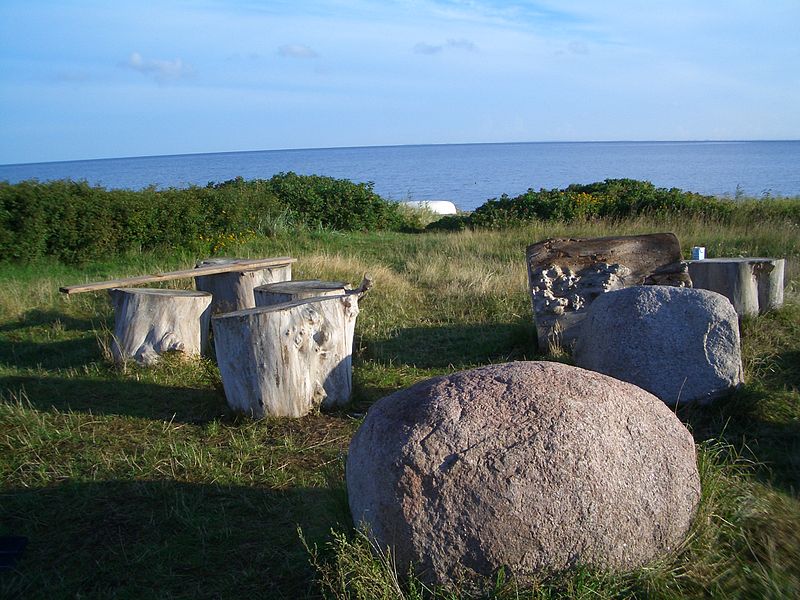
[
  {"x": 531, "y": 466},
  {"x": 681, "y": 344}
]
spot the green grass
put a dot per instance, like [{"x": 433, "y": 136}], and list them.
[{"x": 134, "y": 483}]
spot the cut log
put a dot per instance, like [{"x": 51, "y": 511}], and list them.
[
  {"x": 150, "y": 322},
  {"x": 566, "y": 275},
  {"x": 287, "y": 359},
  {"x": 287, "y": 291},
  {"x": 753, "y": 285},
  {"x": 233, "y": 290}
]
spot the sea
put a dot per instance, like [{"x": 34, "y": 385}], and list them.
[{"x": 466, "y": 174}]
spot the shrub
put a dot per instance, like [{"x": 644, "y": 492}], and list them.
[
  {"x": 75, "y": 221},
  {"x": 612, "y": 198},
  {"x": 335, "y": 203},
  {"x": 450, "y": 223}
]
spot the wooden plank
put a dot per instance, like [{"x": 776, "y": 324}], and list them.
[{"x": 240, "y": 265}]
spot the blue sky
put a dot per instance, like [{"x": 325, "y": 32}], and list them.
[{"x": 86, "y": 79}]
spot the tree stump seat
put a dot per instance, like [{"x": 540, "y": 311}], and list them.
[
  {"x": 232, "y": 289},
  {"x": 287, "y": 291},
  {"x": 753, "y": 285},
  {"x": 290, "y": 358},
  {"x": 150, "y": 322}
]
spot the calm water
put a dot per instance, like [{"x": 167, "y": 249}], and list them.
[{"x": 467, "y": 174}]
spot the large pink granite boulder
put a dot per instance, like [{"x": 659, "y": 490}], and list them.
[{"x": 531, "y": 466}]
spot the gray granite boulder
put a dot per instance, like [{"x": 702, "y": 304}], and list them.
[
  {"x": 531, "y": 466},
  {"x": 680, "y": 344}
]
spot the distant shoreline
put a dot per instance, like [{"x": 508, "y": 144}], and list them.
[
  {"x": 379, "y": 146},
  {"x": 466, "y": 174}
]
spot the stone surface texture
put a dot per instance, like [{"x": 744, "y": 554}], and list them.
[
  {"x": 680, "y": 344},
  {"x": 530, "y": 466}
]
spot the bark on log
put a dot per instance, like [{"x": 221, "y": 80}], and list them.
[
  {"x": 566, "y": 275},
  {"x": 150, "y": 322},
  {"x": 287, "y": 291},
  {"x": 287, "y": 359},
  {"x": 753, "y": 285},
  {"x": 233, "y": 290}
]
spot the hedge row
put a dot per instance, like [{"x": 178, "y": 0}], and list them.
[
  {"x": 612, "y": 198},
  {"x": 75, "y": 221},
  {"x": 615, "y": 199}
]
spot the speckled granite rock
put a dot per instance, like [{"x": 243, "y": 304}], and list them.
[
  {"x": 680, "y": 344},
  {"x": 532, "y": 466}
]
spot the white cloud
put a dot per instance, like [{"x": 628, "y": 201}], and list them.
[
  {"x": 578, "y": 48},
  {"x": 161, "y": 70},
  {"x": 423, "y": 48},
  {"x": 296, "y": 51},
  {"x": 457, "y": 44},
  {"x": 462, "y": 44}
]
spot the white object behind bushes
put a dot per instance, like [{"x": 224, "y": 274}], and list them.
[{"x": 440, "y": 207}]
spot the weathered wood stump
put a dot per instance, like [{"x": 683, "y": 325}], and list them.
[
  {"x": 150, "y": 322},
  {"x": 287, "y": 359},
  {"x": 753, "y": 285},
  {"x": 287, "y": 291},
  {"x": 566, "y": 275},
  {"x": 233, "y": 290}
]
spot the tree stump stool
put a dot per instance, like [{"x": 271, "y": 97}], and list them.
[
  {"x": 287, "y": 359},
  {"x": 150, "y": 322},
  {"x": 753, "y": 285},
  {"x": 233, "y": 290},
  {"x": 287, "y": 291}
]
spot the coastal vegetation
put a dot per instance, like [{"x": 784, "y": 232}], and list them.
[
  {"x": 138, "y": 482},
  {"x": 74, "y": 221}
]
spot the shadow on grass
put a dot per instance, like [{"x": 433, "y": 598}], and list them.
[
  {"x": 459, "y": 346},
  {"x": 50, "y": 340},
  {"x": 123, "y": 397},
  {"x": 61, "y": 354},
  {"x": 762, "y": 420},
  {"x": 38, "y": 317},
  {"x": 166, "y": 539}
]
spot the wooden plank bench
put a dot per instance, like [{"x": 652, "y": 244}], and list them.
[
  {"x": 232, "y": 265},
  {"x": 149, "y": 322}
]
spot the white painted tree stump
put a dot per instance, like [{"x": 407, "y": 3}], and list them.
[
  {"x": 288, "y": 359},
  {"x": 287, "y": 291},
  {"x": 233, "y": 290},
  {"x": 150, "y": 322},
  {"x": 753, "y": 285}
]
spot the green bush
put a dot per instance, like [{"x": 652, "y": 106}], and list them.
[
  {"x": 450, "y": 223},
  {"x": 75, "y": 221},
  {"x": 612, "y": 198},
  {"x": 335, "y": 203}
]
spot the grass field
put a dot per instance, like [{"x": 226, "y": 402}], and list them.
[{"x": 138, "y": 483}]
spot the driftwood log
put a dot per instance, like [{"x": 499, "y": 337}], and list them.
[
  {"x": 287, "y": 291},
  {"x": 753, "y": 285},
  {"x": 150, "y": 322},
  {"x": 288, "y": 359},
  {"x": 233, "y": 290},
  {"x": 566, "y": 275}
]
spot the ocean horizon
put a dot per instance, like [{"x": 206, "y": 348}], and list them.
[{"x": 467, "y": 174}]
